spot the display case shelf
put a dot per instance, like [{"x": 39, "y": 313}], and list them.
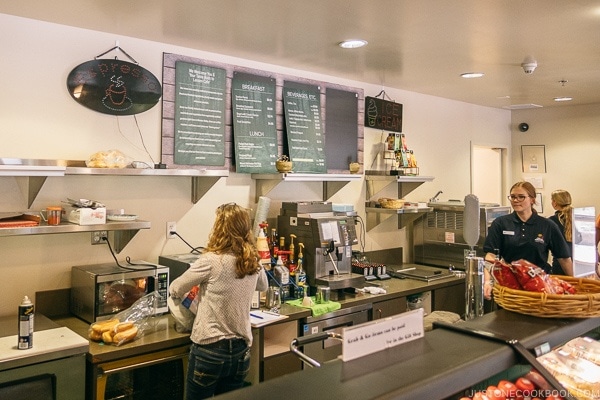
[{"x": 332, "y": 183}]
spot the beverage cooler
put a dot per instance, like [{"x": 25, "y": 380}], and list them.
[{"x": 438, "y": 235}]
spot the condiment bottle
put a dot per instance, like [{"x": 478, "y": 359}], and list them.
[
  {"x": 300, "y": 274},
  {"x": 263, "y": 249},
  {"x": 281, "y": 272}
]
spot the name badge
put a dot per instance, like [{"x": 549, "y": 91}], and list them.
[{"x": 508, "y": 233}]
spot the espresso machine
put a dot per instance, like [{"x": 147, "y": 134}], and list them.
[{"x": 328, "y": 241}]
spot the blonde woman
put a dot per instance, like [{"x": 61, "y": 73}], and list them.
[
  {"x": 228, "y": 273},
  {"x": 524, "y": 234},
  {"x": 563, "y": 217}
]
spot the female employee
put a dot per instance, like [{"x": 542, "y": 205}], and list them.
[
  {"x": 524, "y": 234},
  {"x": 228, "y": 273},
  {"x": 563, "y": 217}
]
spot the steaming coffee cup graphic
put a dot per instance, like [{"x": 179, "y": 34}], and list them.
[{"x": 116, "y": 95}]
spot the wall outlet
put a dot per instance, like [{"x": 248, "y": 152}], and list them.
[
  {"x": 97, "y": 237},
  {"x": 171, "y": 227}
]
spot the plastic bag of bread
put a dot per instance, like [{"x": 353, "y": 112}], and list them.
[
  {"x": 127, "y": 325},
  {"x": 585, "y": 348},
  {"x": 108, "y": 159},
  {"x": 580, "y": 377}
]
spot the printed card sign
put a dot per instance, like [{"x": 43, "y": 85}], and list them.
[{"x": 374, "y": 336}]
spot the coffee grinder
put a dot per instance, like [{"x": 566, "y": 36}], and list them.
[{"x": 328, "y": 241}]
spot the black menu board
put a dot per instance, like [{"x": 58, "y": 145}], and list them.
[
  {"x": 199, "y": 115},
  {"x": 302, "y": 107},
  {"x": 254, "y": 127}
]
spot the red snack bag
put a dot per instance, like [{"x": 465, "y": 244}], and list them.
[
  {"x": 531, "y": 277},
  {"x": 561, "y": 286},
  {"x": 504, "y": 275}
]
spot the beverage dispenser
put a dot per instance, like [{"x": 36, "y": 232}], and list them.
[{"x": 328, "y": 241}]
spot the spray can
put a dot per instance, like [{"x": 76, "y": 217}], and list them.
[{"x": 26, "y": 311}]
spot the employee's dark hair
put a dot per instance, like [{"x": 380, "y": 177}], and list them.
[
  {"x": 563, "y": 200},
  {"x": 528, "y": 188},
  {"x": 232, "y": 233}
]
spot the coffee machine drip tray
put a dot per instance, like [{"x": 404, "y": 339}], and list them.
[{"x": 341, "y": 281}]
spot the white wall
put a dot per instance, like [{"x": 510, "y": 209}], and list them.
[
  {"x": 38, "y": 119},
  {"x": 571, "y": 135}
]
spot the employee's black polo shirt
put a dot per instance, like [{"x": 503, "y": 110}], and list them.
[{"x": 529, "y": 240}]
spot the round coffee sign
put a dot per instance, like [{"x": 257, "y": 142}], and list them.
[{"x": 114, "y": 87}]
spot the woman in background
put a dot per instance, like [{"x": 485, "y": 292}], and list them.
[
  {"x": 228, "y": 273},
  {"x": 563, "y": 217},
  {"x": 524, "y": 234}
]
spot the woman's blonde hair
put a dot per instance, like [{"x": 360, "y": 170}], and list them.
[
  {"x": 563, "y": 200},
  {"x": 232, "y": 233}
]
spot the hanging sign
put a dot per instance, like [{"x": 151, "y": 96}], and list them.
[
  {"x": 383, "y": 114},
  {"x": 114, "y": 87}
]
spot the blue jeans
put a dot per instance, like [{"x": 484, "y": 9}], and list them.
[{"x": 216, "y": 368}]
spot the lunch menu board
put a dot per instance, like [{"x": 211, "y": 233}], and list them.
[
  {"x": 302, "y": 108},
  {"x": 199, "y": 137},
  {"x": 254, "y": 126}
]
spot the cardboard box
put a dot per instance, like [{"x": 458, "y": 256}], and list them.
[{"x": 85, "y": 216}]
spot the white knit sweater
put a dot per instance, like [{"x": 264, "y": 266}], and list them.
[{"x": 224, "y": 306}]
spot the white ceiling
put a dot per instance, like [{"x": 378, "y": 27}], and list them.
[{"x": 416, "y": 45}]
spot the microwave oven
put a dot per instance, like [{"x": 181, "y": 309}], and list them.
[{"x": 100, "y": 291}]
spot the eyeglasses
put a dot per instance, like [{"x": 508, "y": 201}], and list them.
[{"x": 517, "y": 198}]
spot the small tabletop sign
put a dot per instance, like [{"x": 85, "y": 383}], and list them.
[
  {"x": 254, "y": 127},
  {"x": 199, "y": 115},
  {"x": 374, "y": 336},
  {"x": 302, "y": 107},
  {"x": 383, "y": 114}
]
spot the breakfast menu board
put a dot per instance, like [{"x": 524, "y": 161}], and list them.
[
  {"x": 306, "y": 144},
  {"x": 254, "y": 127},
  {"x": 199, "y": 137}
]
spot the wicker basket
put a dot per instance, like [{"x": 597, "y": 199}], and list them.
[
  {"x": 391, "y": 203},
  {"x": 584, "y": 304}
]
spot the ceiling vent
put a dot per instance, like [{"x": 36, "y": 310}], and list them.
[{"x": 521, "y": 106}]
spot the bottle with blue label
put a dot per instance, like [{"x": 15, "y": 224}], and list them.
[{"x": 26, "y": 312}]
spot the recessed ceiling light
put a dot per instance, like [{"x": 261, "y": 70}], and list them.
[
  {"x": 564, "y": 98},
  {"x": 472, "y": 75},
  {"x": 353, "y": 44}
]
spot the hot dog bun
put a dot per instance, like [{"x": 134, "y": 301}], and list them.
[
  {"x": 125, "y": 336},
  {"x": 103, "y": 326}
]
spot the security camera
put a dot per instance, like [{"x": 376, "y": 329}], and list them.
[
  {"x": 523, "y": 126},
  {"x": 529, "y": 67}
]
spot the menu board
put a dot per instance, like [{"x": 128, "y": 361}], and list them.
[
  {"x": 254, "y": 127},
  {"x": 199, "y": 115},
  {"x": 306, "y": 144}
]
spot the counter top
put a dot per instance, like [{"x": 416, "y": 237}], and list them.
[
  {"x": 427, "y": 368},
  {"x": 50, "y": 342},
  {"x": 162, "y": 335}
]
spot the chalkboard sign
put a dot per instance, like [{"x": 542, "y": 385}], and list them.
[
  {"x": 306, "y": 144},
  {"x": 254, "y": 127},
  {"x": 113, "y": 87},
  {"x": 199, "y": 115},
  {"x": 383, "y": 114},
  {"x": 341, "y": 128}
]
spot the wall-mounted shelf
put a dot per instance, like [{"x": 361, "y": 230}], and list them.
[
  {"x": 31, "y": 174},
  {"x": 406, "y": 184},
  {"x": 332, "y": 183},
  {"x": 202, "y": 180},
  {"x": 123, "y": 232},
  {"x": 376, "y": 216}
]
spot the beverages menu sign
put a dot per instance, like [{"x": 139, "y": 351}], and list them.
[
  {"x": 254, "y": 127},
  {"x": 302, "y": 107},
  {"x": 199, "y": 115}
]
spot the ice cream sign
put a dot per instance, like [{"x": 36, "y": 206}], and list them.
[
  {"x": 383, "y": 114},
  {"x": 115, "y": 87}
]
